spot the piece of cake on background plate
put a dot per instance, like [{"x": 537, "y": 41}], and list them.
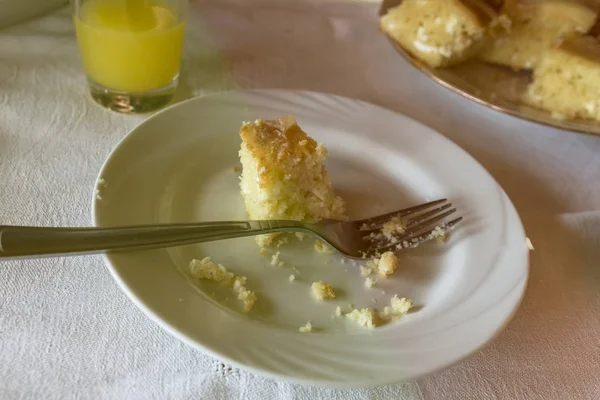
[
  {"x": 567, "y": 81},
  {"x": 537, "y": 26},
  {"x": 441, "y": 33},
  {"x": 563, "y": 16},
  {"x": 284, "y": 176}
]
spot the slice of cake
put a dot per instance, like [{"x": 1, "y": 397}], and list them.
[
  {"x": 567, "y": 81},
  {"x": 522, "y": 48},
  {"x": 561, "y": 16},
  {"x": 495, "y": 4},
  {"x": 537, "y": 25},
  {"x": 284, "y": 176},
  {"x": 440, "y": 33}
]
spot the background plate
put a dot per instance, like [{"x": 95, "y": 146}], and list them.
[
  {"x": 497, "y": 87},
  {"x": 177, "y": 167}
]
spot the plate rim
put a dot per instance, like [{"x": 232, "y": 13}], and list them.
[{"x": 521, "y": 285}]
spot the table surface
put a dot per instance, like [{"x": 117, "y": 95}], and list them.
[{"x": 67, "y": 331}]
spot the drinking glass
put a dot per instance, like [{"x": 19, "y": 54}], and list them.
[{"x": 131, "y": 50}]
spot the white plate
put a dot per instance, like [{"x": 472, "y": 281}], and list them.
[{"x": 177, "y": 167}]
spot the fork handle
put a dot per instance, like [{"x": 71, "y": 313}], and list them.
[{"x": 27, "y": 241}]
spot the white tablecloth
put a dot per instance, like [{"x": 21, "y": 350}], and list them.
[{"x": 67, "y": 331}]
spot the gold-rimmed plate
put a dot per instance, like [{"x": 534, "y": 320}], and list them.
[{"x": 493, "y": 86}]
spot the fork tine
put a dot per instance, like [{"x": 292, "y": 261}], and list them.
[
  {"x": 425, "y": 223},
  {"x": 376, "y": 222},
  {"x": 423, "y": 237},
  {"x": 421, "y": 217},
  {"x": 415, "y": 234}
]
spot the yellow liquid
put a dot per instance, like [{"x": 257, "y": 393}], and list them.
[{"x": 131, "y": 45}]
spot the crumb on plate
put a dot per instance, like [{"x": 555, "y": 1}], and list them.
[
  {"x": 281, "y": 240},
  {"x": 370, "y": 282},
  {"x": 394, "y": 226},
  {"x": 306, "y": 328},
  {"x": 529, "y": 244},
  {"x": 322, "y": 247},
  {"x": 101, "y": 183},
  {"x": 275, "y": 259},
  {"x": 364, "y": 317},
  {"x": 399, "y": 306},
  {"x": 246, "y": 296},
  {"x": 322, "y": 290},
  {"x": 387, "y": 264},
  {"x": 208, "y": 270}
]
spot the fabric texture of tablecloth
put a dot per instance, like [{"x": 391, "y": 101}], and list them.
[{"x": 67, "y": 331}]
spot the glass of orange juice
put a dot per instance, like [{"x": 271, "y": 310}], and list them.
[{"x": 131, "y": 50}]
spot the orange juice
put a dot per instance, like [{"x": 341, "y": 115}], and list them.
[{"x": 129, "y": 45}]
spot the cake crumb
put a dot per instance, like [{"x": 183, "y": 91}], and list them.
[
  {"x": 529, "y": 244},
  {"x": 281, "y": 241},
  {"x": 370, "y": 282},
  {"x": 263, "y": 252},
  {"x": 365, "y": 271},
  {"x": 338, "y": 311},
  {"x": 401, "y": 305},
  {"x": 101, "y": 183},
  {"x": 292, "y": 278},
  {"x": 306, "y": 328},
  {"x": 275, "y": 259},
  {"x": 439, "y": 234},
  {"x": 246, "y": 296},
  {"x": 387, "y": 263},
  {"x": 394, "y": 226},
  {"x": 208, "y": 270},
  {"x": 398, "y": 307},
  {"x": 364, "y": 317},
  {"x": 322, "y": 290},
  {"x": 322, "y": 247}
]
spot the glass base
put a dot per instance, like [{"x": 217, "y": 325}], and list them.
[{"x": 133, "y": 103}]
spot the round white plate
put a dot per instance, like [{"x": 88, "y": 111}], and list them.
[{"x": 177, "y": 167}]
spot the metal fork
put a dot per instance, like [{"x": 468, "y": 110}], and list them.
[{"x": 352, "y": 238}]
